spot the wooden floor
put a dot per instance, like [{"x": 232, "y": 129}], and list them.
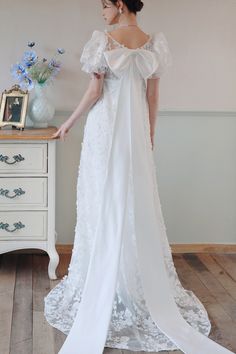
[{"x": 24, "y": 282}]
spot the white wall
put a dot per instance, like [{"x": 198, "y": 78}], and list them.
[
  {"x": 201, "y": 36},
  {"x": 195, "y": 138}
]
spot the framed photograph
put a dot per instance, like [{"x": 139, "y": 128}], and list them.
[{"x": 13, "y": 107}]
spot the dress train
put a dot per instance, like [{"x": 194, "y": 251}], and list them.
[{"x": 133, "y": 157}]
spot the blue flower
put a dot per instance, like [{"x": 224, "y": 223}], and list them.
[
  {"x": 26, "y": 83},
  {"x": 31, "y": 69},
  {"x": 29, "y": 58},
  {"x": 31, "y": 44},
  {"x": 61, "y": 50},
  {"x": 18, "y": 70},
  {"x": 53, "y": 64}
]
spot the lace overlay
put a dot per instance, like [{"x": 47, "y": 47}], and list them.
[{"x": 131, "y": 326}]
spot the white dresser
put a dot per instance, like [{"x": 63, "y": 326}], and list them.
[{"x": 27, "y": 192}]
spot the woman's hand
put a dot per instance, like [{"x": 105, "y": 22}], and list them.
[{"x": 63, "y": 130}]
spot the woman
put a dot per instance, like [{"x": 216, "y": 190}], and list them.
[{"x": 122, "y": 290}]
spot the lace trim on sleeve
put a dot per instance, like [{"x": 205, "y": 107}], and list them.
[
  {"x": 92, "y": 59},
  {"x": 161, "y": 48}
]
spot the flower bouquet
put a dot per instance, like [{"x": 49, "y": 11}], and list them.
[{"x": 35, "y": 73}]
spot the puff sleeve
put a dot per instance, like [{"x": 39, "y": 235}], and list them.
[
  {"x": 161, "y": 49},
  {"x": 92, "y": 59}
]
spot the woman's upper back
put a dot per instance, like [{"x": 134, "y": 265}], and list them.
[{"x": 129, "y": 37}]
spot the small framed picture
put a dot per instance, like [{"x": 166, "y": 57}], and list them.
[{"x": 13, "y": 107}]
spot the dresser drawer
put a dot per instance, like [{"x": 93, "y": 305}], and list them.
[
  {"x": 23, "y": 192},
  {"x": 23, "y": 225},
  {"x": 23, "y": 158}
]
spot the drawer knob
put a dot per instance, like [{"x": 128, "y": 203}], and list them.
[
  {"x": 18, "y": 191},
  {"x": 18, "y": 226},
  {"x": 17, "y": 158}
]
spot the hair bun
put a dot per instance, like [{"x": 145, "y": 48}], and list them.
[
  {"x": 138, "y": 4},
  {"x": 132, "y": 5}
]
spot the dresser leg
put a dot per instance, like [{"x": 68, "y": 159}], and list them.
[{"x": 53, "y": 263}]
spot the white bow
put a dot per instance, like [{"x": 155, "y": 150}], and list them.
[{"x": 120, "y": 59}]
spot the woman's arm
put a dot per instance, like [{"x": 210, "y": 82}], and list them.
[
  {"x": 90, "y": 96},
  {"x": 153, "y": 103}
]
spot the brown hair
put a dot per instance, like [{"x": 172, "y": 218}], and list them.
[{"x": 132, "y": 5}]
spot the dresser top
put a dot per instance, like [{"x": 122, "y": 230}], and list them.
[{"x": 30, "y": 133}]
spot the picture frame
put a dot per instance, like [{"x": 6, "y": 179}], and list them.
[{"x": 13, "y": 107}]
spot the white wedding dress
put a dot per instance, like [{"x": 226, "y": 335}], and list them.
[{"x": 122, "y": 289}]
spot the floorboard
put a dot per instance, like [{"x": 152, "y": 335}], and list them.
[
  {"x": 8, "y": 265},
  {"x": 211, "y": 293},
  {"x": 43, "y": 339},
  {"x": 21, "y": 329},
  {"x": 24, "y": 282}
]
